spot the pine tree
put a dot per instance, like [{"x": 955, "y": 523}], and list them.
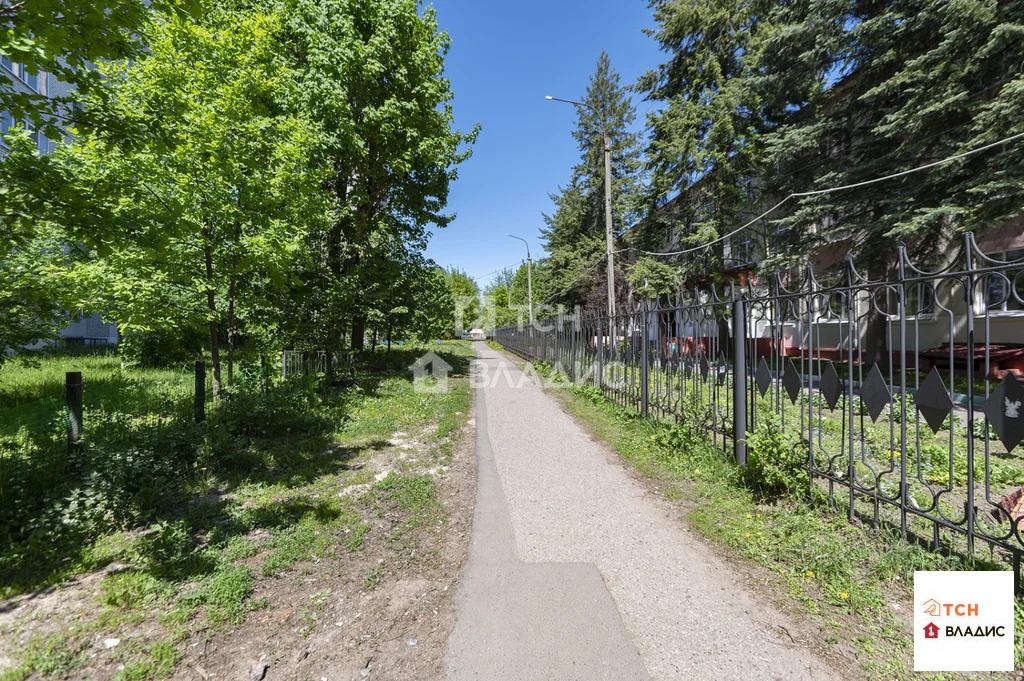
[
  {"x": 704, "y": 135},
  {"x": 575, "y": 232}
]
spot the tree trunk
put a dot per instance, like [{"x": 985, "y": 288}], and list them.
[
  {"x": 231, "y": 333},
  {"x": 373, "y": 345},
  {"x": 211, "y": 304},
  {"x": 875, "y": 349},
  {"x": 876, "y": 342},
  {"x": 358, "y": 334},
  {"x": 389, "y": 341},
  {"x": 264, "y": 371}
]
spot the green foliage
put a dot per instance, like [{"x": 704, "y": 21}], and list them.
[
  {"x": 225, "y": 593},
  {"x": 761, "y": 99},
  {"x": 466, "y": 295},
  {"x": 166, "y": 548},
  {"x": 414, "y": 494},
  {"x": 936, "y": 466},
  {"x": 371, "y": 77},
  {"x": 159, "y": 661},
  {"x": 773, "y": 463},
  {"x": 704, "y": 132},
  {"x": 34, "y": 256},
  {"x": 263, "y": 478},
  {"x": 589, "y": 393},
  {"x": 65, "y": 38},
  {"x": 650, "y": 278},
  {"x": 128, "y": 589},
  {"x": 435, "y": 313},
  {"x": 165, "y": 347}
]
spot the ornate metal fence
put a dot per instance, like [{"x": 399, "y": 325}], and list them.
[{"x": 900, "y": 398}]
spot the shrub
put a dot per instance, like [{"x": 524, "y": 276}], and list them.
[
  {"x": 590, "y": 393},
  {"x": 162, "y": 348},
  {"x": 773, "y": 465}
]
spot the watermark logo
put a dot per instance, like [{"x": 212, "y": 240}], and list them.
[
  {"x": 932, "y": 607},
  {"x": 972, "y": 613},
  {"x": 430, "y": 374}
]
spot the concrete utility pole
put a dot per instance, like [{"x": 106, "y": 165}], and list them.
[
  {"x": 529, "y": 274},
  {"x": 609, "y": 237}
]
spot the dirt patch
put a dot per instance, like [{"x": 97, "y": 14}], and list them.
[{"x": 383, "y": 612}]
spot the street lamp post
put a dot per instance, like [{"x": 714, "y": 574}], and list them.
[
  {"x": 609, "y": 238},
  {"x": 529, "y": 274}
]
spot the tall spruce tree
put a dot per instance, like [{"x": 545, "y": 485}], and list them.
[
  {"x": 703, "y": 142},
  {"x": 575, "y": 232},
  {"x": 895, "y": 85}
]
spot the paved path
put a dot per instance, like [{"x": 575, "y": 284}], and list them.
[{"x": 575, "y": 572}]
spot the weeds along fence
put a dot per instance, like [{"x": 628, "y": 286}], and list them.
[{"x": 897, "y": 401}]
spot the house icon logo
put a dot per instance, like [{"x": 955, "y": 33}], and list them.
[
  {"x": 931, "y": 630},
  {"x": 430, "y": 374},
  {"x": 932, "y": 607}
]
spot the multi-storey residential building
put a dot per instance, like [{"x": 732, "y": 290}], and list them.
[{"x": 90, "y": 330}]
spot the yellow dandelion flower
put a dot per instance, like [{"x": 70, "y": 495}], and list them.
[
  {"x": 696, "y": 471},
  {"x": 810, "y": 573},
  {"x": 845, "y": 596},
  {"x": 652, "y": 437},
  {"x": 750, "y": 515}
]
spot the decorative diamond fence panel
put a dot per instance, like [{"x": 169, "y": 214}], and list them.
[{"x": 900, "y": 398}]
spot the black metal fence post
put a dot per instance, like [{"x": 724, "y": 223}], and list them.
[
  {"x": 739, "y": 380},
  {"x": 600, "y": 354},
  {"x": 572, "y": 346},
  {"x": 200, "y": 394},
  {"x": 73, "y": 398},
  {"x": 645, "y": 368}
]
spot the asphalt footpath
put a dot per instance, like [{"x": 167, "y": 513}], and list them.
[{"x": 576, "y": 572}]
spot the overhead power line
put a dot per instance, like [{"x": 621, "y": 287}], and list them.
[
  {"x": 797, "y": 195},
  {"x": 601, "y": 258}
]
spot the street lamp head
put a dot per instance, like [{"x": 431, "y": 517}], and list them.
[{"x": 548, "y": 97}]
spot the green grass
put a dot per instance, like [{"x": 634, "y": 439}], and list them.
[
  {"x": 844, "y": 575},
  {"x": 107, "y": 389},
  {"x": 195, "y": 515}
]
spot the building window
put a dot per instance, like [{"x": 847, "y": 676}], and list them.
[
  {"x": 1003, "y": 292},
  {"x": 920, "y": 301},
  {"x": 31, "y": 79},
  {"x": 39, "y": 139},
  {"x": 6, "y": 62}
]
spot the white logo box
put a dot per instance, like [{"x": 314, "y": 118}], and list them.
[{"x": 963, "y": 621}]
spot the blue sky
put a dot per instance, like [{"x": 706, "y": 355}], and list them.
[{"x": 504, "y": 58}]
